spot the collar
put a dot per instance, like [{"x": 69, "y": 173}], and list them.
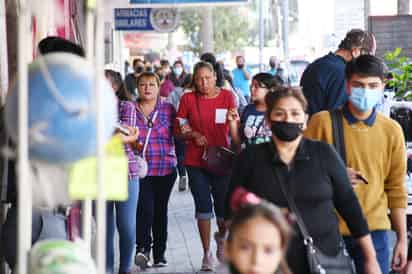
[
  {"x": 352, "y": 119},
  {"x": 338, "y": 56},
  {"x": 301, "y": 153}
]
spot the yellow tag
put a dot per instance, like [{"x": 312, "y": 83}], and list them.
[
  {"x": 82, "y": 175},
  {"x": 91, "y": 4}
]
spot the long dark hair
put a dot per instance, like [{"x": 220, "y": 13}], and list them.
[
  {"x": 116, "y": 78},
  {"x": 270, "y": 213}
]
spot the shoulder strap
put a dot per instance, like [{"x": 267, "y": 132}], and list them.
[
  {"x": 337, "y": 131},
  {"x": 291, "y": 202},
  {"x": 146, "y": 142}
]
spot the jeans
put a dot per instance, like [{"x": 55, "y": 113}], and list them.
[
  {"x": 152, "y": 213},
  {"x": 126, "y": 225},
  {"x": 381, "y": 245},
  {"x": 180, "y": 153},
  {"x": 203, "y": 186}
]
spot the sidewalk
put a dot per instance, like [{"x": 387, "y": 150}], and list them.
[{"x": 184, "y": 251}]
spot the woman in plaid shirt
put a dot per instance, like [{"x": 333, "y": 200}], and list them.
[
  {"x": 156, "y": 187},
  {"x": 125, "y": 210}
]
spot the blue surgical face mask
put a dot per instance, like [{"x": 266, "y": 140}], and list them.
[
  {"x": 365, "y": 99},
  {"x": 178, "y": 71}
]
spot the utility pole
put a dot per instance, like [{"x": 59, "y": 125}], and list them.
[
  {"x": 403, "y": 7},
  {"x": 206, "y": 30},
  {"x": 261, "y": 34},
  {"x": 4, "y": 73},
  {"x": 367, "y": 10},
  {"x": 285, "y": 29}
]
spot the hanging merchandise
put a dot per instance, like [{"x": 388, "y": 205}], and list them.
[
  {"x": 62, "y": 115},
  {"x": 59, "y": 256}
]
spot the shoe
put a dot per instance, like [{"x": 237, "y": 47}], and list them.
[
  {"x": 220, "y": 251},
  {"x": 183, "y": 183},
  {"x": 160, "y": 262},
  {"x": 142, "y": 260},
  {"x": 208, "y": 263}
]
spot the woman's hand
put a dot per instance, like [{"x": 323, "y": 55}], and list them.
[
  {"x": 371, "y": 266},
  {"x": 134, "y": 135},
  {"x": 184, "y": 129},
  {"x": 233, "y": 115},
  {"x": 200, "y": 140}
]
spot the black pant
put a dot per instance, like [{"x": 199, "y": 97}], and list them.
[
  {"x": 180, "y": 154},
  {"x": 151, "y": 217}
]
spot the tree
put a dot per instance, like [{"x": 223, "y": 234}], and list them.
[{"x": 230, "y": 29}]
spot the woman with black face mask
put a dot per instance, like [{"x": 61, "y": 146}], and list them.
[{"x": 309, "y": 172}]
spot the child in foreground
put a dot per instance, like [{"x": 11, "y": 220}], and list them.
[{"x": 258, "y": 236}]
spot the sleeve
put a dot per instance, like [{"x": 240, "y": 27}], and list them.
[
  {"x": 231, "y": 99},
  {"x": 395, "y": 186},
  {"x": 317, "y": 128},
  {"x": 344, "y": 198},
  {"x": 127, "y": 114},
  {"x": 240, "y": 176}
]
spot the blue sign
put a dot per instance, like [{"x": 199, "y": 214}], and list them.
[
  {"x": 132, "y": 19},
  {"x": 185, "y": 2}
]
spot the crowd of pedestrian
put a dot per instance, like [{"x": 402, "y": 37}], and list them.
[{"x": 284, "y": 170}]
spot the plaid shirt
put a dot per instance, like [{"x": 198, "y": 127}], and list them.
[
  {"x": 127, "y": 116},
  {"x": 160, "y": 151}
]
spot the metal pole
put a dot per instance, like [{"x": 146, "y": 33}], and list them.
[
  {"x": 403, "y": 7},
  {"x": 261, "y": 34},
  {"x": 366, "y": 8},
  {"x": 24, "y": 220},
  {"x": 285, "y": 29},
  {"x": 206, "y": 30},
  {"x": 87, "y": 204},
  {"x": 101, "y": 199},
  {"x": 4, "y": 75}
]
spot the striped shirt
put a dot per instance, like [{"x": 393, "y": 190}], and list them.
[
  {"x": 160, "y": 152},
  {"x": 127, "y": 116}
]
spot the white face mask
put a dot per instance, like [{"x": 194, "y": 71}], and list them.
[{"x": 178, "y": 71}]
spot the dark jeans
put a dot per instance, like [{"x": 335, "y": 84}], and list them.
[
  {"x": 152, "y": 213},
  {"x": 381, "y": 245},
  {"x": 180, "y": 153},
  {"x": 204, "y": 186}
]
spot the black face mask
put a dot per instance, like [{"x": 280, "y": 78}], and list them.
[
  {"x": 272, "y": 64},
  {"x": 286, "y": 131},
  {"x": 139, "y": 69},
  {"x": 240, "y": 66}
]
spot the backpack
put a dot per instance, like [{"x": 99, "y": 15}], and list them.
[{"x": 403, "y": 116}]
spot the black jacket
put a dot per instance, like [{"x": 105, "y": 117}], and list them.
[{"x": 319, "y": 183}]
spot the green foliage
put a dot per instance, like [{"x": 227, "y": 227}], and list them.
[
  {"x": 230, "y": 29},
  {"x": 190, "y": 21},
  {"x": 401, "y": 70}
]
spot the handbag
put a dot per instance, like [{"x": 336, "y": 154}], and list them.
[
  {"x": 142, "y": 165},
  {"x": 319, "y": 263},
  {"x": 217, "y": 160}
]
